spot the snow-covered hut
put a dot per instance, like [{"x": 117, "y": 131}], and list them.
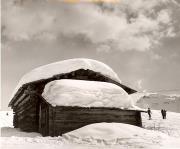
[{"x": 66, "y": 95}]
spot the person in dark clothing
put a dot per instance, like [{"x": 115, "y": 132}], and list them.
[
  {"x": 165, "y": 114},
  {"x": 149, "y": 113},
  {"x": 162, "y": 112}
]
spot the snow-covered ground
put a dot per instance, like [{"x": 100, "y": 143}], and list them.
[
  {"x": 169, "y": 126},
  {"x": 158, "y": 133},
  {"x": 6, "y": 119}
]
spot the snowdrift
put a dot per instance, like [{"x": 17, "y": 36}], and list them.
[
  {"x": 116, "y": 134},
  {"x": 67, "y": 66},
  {"x": 105, "y": 131},
  {"x": 82, "y": 93}
]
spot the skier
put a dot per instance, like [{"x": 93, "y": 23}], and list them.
[
  {"x": 165, "y": 114},
  {"x": 149, "y": 113},
  {"x": 162, "y": 112}
]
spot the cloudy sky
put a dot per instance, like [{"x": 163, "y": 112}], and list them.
[{"x": 139, "y": 39}]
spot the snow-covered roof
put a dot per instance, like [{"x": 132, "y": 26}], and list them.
[
  {"x": 67, "y": 66},
  {"x": 68, "y": 92}
]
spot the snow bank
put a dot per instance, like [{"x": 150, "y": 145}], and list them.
[
  {"x": 67, "y": 92},
  {"x": 105, "y": 131},
  {"x": 116, "y": 134},
  {"x": 66, "y": 66}
]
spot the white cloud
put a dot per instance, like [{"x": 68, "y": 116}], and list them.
[
  {"x": 164, "y": 16},
  {"x": 127, "y": 25},
  {"x": 104, "y": 48},
  {"x": 139, "y": 43},
  {"x": 156, "y": 56}
]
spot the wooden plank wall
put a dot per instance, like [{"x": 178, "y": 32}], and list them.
[
  {"x": 46, "y": 119},
  {"x": 51, "y": 121},
  {"x": 43, "y": 119},
  {"x": 70, "y": 118},
  {"x": 25, "y": 114}
]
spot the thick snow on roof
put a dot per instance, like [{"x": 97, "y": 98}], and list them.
[
  {"x": 66, "y": 66},
  {"x": 67, "y": 92}
]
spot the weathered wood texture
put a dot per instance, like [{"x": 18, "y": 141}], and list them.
[
  {"x": 26, "y": 114},
  {"x": 65, "y": 119},
  {"x": 43, "y": 119}
]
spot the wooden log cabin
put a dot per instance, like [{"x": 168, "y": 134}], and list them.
[{"x": 32, "y": 113}]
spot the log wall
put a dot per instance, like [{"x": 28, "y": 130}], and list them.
[
  {"x": 46, "y": 119},
  {"x": 26, "y": 114},
  {"x": 36, "y": 115},
  {"x": 66, "y": 119}
]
